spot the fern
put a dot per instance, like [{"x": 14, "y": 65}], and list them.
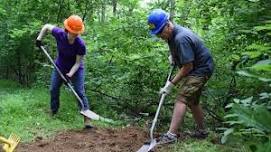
[
  {"x": 256, "y": 116},
  {"x": 258, "y": 47},
  {"x": 266, "y": 27},
  {"x": 264, "y": 65}
]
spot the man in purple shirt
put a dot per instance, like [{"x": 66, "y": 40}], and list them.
[{"x": 71, "y": 50}]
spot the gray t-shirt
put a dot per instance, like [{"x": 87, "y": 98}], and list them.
[{"x": 186, "y": 47}]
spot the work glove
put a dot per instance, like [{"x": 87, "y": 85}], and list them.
[
  {"x": 167, "y": 88},
  {"x": 170, "y": 60},
  {"x": 38, "y": 43}
]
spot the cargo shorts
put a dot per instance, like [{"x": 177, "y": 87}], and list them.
[{"x": 190, "y": 88}]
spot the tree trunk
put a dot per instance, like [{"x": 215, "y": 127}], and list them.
[
  {"x": 88, "y": 3},
  {"x": 103, "y": 11},
  {"x": 114, "y": 4},
  {"x": 172, "y": 9},
  {"x": 19, "y": 69},
  {"x": 60, "y": 4},
  {"x": 7, "y": 72}
]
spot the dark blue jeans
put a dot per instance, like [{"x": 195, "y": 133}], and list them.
[{"x": 78, "y": 85}]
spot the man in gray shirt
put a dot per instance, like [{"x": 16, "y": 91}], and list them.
[{"x": 195, "y": 67}]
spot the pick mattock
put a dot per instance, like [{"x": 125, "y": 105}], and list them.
[
  {"x": 148, "y": 146},
  {"x": 87, "y": 113},
  {"x": 10, "y": 143}
]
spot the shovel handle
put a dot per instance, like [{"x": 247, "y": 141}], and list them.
[
  {"x": 89, "y": 113},
  {"x": 162, "y": 98},
  {"x": 62, "y": 76},
  {"x": 52, "y": 61},
  {"x": 170, "y": 72}
]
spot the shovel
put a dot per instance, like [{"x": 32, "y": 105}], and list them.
[
  {"x": 10, "y": 143},
  {"x": 148, "y": 146},
  {"x": 88, "y": 113}
]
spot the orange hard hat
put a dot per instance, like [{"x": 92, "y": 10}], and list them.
[{"x": 74, "y": 24}]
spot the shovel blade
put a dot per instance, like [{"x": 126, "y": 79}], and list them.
[
  {"x": 90, "y": 114},
  {"x": 144, "y": 148},
  {"x": 153, "y": 144},
  {"x": 147, "y": 147}
]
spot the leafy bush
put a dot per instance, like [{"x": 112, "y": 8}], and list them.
[{"x": 250, "y": 118}]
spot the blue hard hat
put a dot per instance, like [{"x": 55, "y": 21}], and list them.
[{"x": 157, "y": 19}]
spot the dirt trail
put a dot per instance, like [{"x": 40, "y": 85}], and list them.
[{"x": 94, "y": 140}]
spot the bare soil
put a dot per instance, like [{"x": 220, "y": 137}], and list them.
[{"x": 127, "y": 139}]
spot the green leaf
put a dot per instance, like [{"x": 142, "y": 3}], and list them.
[
  {"x": 258, "y": 47},
  {"x": 134, "y": 56},
  {"x": 263, "y": 27},
  {"x": 245, "y": 73},
  {"x": 266, "y": 147},
  {"x": 226, "y": 134},
  {"x": 229, "y": 105},
  {"x": 231, "y": 116},
  {"x": 246, "y": 101},
  {"x": 235, "y": 57},
  {"x": 254, "y": 0},
  {"x": 264, "y": 79},
  {"x": 265, "y": 95},
  {"x": 234, "y": 122},
  {"x": 257, "y": 116},
  {"x": 252, "y": 54},
  {"x": 264, "y": 65}
]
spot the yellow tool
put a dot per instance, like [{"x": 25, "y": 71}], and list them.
[{"x": 10, "y": 143}]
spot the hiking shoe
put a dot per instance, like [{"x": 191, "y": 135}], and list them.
[
  {"x": 167, "y": 138},
  {"x": 87, "y": 123},
  {"x": 200, "y": 134},
  {"x": 88, "y": 127},
  {"x": 53, "y": 113}
]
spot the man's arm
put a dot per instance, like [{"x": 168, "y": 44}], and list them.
[{"x": 182, "y": 72}]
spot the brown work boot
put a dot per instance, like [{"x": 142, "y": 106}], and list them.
[
  {"x": 87, "y": 123},
  {"x": 199, "y": 134}
]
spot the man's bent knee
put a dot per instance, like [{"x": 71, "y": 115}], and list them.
[
  {"x": 181, "y": 100},
  {"x": 192, "y": 104}
]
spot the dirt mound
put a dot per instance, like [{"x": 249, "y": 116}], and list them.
[{"x": 93, "y": 140}]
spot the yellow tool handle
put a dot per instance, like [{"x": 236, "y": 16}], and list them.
[{"x": 4, "y": 140}]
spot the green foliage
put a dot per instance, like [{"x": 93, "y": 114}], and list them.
[
  {"x": 250, "y": 120},
  {"x": 126, "y": 67},
  {"x": 247, "y": 74},
  {"x": 20, "y": 23},
  {"x": 126, "y": 64},
  {"x": 255, "y": 116},
  {"x": 264, "y": 65}
]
